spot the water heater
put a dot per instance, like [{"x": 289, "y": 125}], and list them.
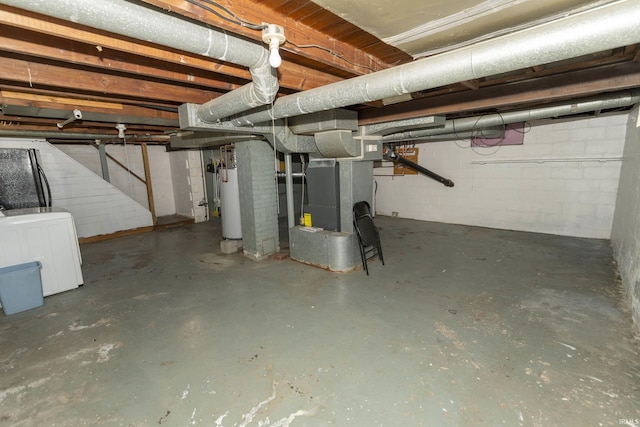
[{"x": 230, "y": 204}]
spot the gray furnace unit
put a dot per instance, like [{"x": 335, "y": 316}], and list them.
[{"x": 323, "y": 187}]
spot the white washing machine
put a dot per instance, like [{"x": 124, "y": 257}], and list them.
[{"x": 47, "y": 235}]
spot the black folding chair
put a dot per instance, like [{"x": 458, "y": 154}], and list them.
[{"x": 368, "y": 236}]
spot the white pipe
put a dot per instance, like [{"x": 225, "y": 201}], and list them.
[
  {"x": 606, "y": 27},
  {"x": 151, "y": 25},
  {"x": 77, "y": 115}
]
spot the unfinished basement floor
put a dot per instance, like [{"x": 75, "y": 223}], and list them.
[{"x": 463, "y": 326}]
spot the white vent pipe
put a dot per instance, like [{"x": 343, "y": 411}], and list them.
[
  {"x": 456, "y": 126},
  {"x": 606, "y": 27},
  {"x": 144, "y": 23}
]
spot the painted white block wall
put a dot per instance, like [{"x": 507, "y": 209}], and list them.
[
  {"x": 625, "y": 235},
  {"x": 159, "y": 163},
  {"x": 162, "y": 180},
  {"x": 131, "y": 157},
  {"x": 188, "y": 184},
  {"x": 97, "y": 206},
  {"x": 540, "y": 186}
]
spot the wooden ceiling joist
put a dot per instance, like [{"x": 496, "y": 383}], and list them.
[
  {"x": 296, "y": 77},
  {"x": 51, "y": 66},
  {"x": 14, "y": 98},
  {"x": 545, "y": 89},
  {"x": 84, "y": 55},
  {"x": 296, "y": 31},
  {"x": 35, "y": 74}
]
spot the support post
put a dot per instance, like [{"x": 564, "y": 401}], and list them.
[
  {"x": 147, "y": 179},
  {"x": 258, "y": 206},
  {"x": 289, "y": 187},
  {"x": 103, "y": 162}
]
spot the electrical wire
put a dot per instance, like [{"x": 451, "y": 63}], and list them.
[
  {"x": 234, "y": 18},
  {"x": 524, "y": 130},
  {"x": 486, "y": 145},
  {"x": 337, "y": 55},
  {"x": 474, "y": 129},
  {"x": 458, "y": 139}
]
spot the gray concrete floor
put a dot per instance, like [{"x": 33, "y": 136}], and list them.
[{"x": 463, "y": 326}]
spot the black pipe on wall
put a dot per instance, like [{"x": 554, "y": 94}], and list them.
[{"x": 397, "y": 158}]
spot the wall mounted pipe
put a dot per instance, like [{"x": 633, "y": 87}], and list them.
[
  {"x": 293, "y": 175},
  {"x": 398, "y": 158},
  {"x": 452, "y": 127},
  {"x": 77, "y": 115},
  {"x": 144, "y": 23},
  {"x": 606, "y": 27},
  {"x": 493, "y": 134}
]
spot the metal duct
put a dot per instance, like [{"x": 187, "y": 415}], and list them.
[
  {"x": 64, "y": 135},
  {"x": 456, "y": 126},
  {"x": 144, "y": 23},
  {"x": 493, "y": 134},
  {"x": 602, "y": 28}
]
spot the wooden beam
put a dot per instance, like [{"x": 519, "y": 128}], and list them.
[
  {"x": 100, "y": 40},
  {"x": 108, "y": 115},
  {"x": 166, "y": 109},
  {"x": 295, "y": 31},
  {"x": 147, "y": 133},
  {"x": 564, "y": 86},
  {"x": 291, "y": 76},
  {"x": 471, "y": 84},
  {"x": 35, "y": 74},
  {"x": 58, "y": 49},
  {"x": 103, "y": 237},
  {"x": 49, "y": 100}
]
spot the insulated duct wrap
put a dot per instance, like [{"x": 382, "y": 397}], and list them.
[
  {"x": 151, "y": 25},
  {"x": 606, "y": 27},
  {"x": 337, "y": 143},
  {"x": 457, "y": 126}
]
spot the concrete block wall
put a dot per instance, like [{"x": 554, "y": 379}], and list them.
[
  {"x": 188, "y": 184},
  {"x": 97, "y": 206},
  {"x": 161, "y": 180},
  {"x": 563, "y": 180},
  {"x": 625, "y": 234},
  {"x": 159, "y": 163},
  {"x": 131, "y": 157},
  {"x": 258, "y": 204}
]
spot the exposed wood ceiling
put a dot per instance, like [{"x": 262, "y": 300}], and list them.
[{"x": 52, "y": 67}]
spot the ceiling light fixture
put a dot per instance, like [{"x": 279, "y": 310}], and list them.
[
  {"x": 121, "y": 128},
  {"x": 273, "y": 35}
]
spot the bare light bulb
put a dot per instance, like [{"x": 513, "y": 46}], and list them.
[
  {"x": 274, "y": 55},
  {"x": 273, "y": 35}
]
